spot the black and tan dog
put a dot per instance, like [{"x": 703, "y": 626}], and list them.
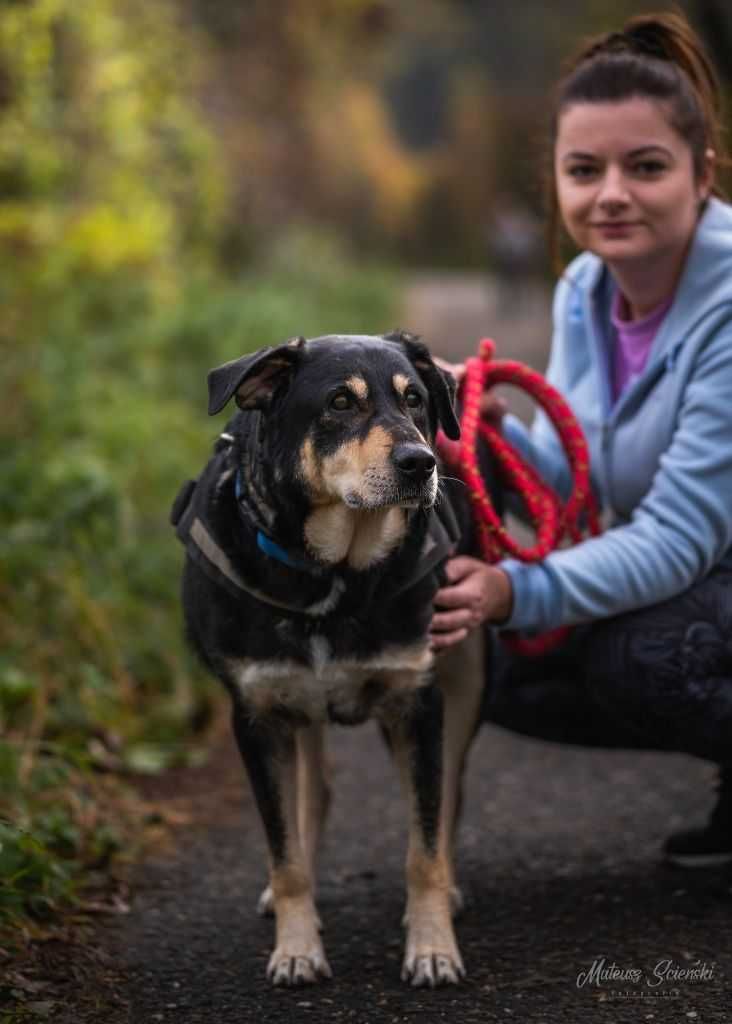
[{"x": 315, "y": 538}]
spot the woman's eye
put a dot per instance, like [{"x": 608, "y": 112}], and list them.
[
  {"x": 581, "y": 172},
  {"x": 341, "y": 401},
  {"x": 413, "y": 399},
  {"x": 649, "y": 167}
]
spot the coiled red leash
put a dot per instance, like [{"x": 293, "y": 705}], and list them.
[{"x": 553, "y": 520}]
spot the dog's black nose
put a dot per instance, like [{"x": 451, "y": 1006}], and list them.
[{"x": 414, "y": 461}]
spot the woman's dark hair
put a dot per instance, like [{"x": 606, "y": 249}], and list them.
[{"x": 658, "y": 56}]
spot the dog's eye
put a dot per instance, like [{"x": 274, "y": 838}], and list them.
[
  {"x": 341, "y": 401},
  {"x": 413, "y": 399}
]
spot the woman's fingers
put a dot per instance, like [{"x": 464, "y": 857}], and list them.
[
  {"x": 441, "y": 641},
  {"x": 461, "y": 566},
  {"x": 465, "y": 576},
  {"x": 476, "y": 592},
  {"x": 461, "y": 618},
  {"x": 457, "y": 596}
]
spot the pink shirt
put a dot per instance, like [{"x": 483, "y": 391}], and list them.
[{"x": 633, "y": 340}]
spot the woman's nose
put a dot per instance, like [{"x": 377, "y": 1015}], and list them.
[{"x": 613, "y": 190}]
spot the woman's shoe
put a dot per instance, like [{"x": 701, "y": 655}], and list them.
[{"x": 710, "y": 846}]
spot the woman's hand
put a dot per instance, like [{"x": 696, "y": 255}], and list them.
[
  {"x": 476, "y": 593},
  {"x": 492, "y": 407}
]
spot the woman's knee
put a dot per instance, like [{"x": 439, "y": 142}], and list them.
[{"x": 666, "y": 671}]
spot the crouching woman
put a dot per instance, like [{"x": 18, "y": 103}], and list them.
[{"x": 642, "y": 351}]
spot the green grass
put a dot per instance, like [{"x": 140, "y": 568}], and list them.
[{"x": 106, "y": 416}]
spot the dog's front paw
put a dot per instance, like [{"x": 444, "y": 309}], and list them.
[
  {"x": 431, "y": 957},
  {"x": 288, "y": 967},
  {"x": 432, "y": 969}
]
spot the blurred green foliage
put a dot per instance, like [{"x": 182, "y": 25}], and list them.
[{"x": 114, "y": 308}]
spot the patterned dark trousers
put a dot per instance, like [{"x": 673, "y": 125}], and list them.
[{"x": 659, "y": 678}]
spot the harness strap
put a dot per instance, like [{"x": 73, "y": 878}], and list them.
[
  {"x": 188, "y": 517},
  {"x": 443, "y": 533},
  {"x": 207, "y": 553}
]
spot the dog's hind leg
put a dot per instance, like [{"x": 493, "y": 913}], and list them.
[
  {"x": 268, "y": 748},
  {"x": 313, "y": 801},
  {"x": 460, "y": 674},
  {"x": 431, "y": 955}
]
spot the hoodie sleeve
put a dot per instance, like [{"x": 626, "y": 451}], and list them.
[{"x": 680, "y": 530}]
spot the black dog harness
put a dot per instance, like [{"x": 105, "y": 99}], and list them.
[{"x": 193, "y": 528}]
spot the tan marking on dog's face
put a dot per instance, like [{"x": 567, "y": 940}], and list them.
[
  {"x": 344, "y": 471},
  {"x": 359, "y": 387},
  {"x": 360, "y": 473},
  {"x": 310, "y": 466},
  {"x": 376, "y": 446},
  {"x": 359, "y": 470}
]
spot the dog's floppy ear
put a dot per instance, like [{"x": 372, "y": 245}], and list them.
[
  {"x": 253, "y": 378},
  {"x": 440, "y": 384}
]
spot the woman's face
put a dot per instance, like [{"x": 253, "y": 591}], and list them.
[{"x": 625, "y": 182}]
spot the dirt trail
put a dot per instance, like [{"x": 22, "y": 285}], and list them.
[{"x": 557, "y": 855}]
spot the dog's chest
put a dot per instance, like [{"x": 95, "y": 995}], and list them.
[{"x": 342, "y": 690}]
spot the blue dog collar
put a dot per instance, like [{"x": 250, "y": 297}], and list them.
[{"x": 268, "y": 546}]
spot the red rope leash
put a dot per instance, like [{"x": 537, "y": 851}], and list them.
[{"x": 553, "y": 521}]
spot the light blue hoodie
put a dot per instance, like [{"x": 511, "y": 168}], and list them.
[{"x": 661, "y": 456}]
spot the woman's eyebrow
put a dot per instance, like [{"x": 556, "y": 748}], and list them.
[
  {"x": 657, "y": 148},
  {"x": 575, "y": 154}
]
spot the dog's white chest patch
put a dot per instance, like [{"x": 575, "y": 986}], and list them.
[
  {"x": 320, "y": 653},
  {"x": 329, "y": 688}
]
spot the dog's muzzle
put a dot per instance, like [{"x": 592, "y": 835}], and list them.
[
  {"x": 415, "y": 464},
  {"x": 408, "y": 479},
  {"x": 416, "y": 475}
]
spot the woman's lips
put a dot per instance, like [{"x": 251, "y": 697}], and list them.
[{"x": 616, "y": 227}]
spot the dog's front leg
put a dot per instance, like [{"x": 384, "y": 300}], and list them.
[
  {"x": 267, "y": 746},
  {"x": 431, "y": 955},
  {"x": 313, "y": 801}
]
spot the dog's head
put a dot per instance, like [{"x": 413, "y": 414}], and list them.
[{"x": 355, "y": 415}]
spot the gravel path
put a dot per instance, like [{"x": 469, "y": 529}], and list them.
[{"x": 558, "y": 857}]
